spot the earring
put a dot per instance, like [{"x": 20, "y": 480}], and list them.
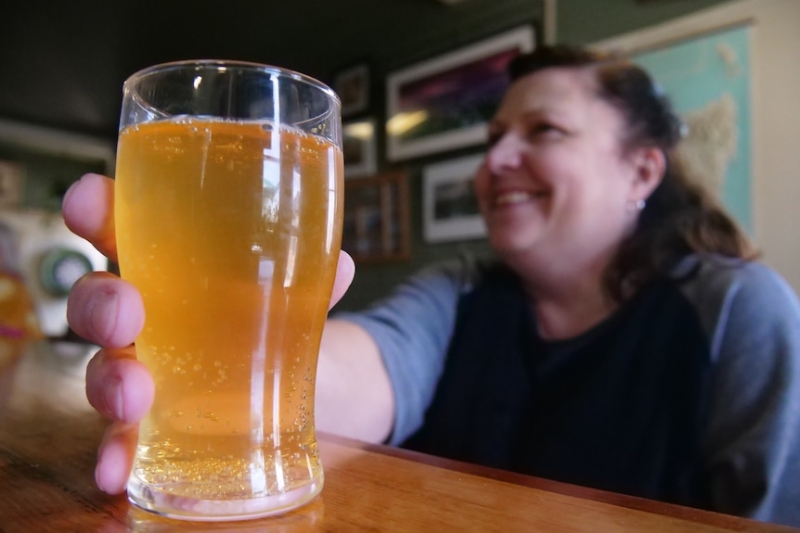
[{"x": 638, "y": 205}]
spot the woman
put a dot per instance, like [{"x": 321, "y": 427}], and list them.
[{"x": 623, "y": 340}]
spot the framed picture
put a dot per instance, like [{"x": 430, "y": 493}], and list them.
[
  {"x": 450, "y": 208},
  {"x": 376, "y": 226},
  {"x": 352, "y": 86},
  {"x": 360, "y": 148},
  {"x": 11, "y": 178},
  {"x": 444, "y": 103}
]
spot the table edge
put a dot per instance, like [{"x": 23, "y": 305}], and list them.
[{"x": 701, "y": 516}]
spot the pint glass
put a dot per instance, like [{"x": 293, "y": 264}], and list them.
[{"x": 228, "y": 201}]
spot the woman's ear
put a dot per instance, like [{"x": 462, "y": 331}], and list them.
[{"x": 650, "y": 167}]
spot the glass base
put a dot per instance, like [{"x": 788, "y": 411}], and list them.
[{"x": 160, "y": 500}]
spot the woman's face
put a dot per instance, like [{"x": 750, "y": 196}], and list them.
[{"x": 556, "y": 183}]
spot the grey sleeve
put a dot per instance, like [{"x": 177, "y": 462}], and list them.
[
  {"x": 752, "y": 445},
  {"x": 412, "y": 328}
]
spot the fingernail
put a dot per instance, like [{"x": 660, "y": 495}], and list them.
[
  {"x": 113, "y": 398},
  {"x": 100, "y": 478},
  {"x": 103, "y": 313},
  {"x": 97, "y": 476},
  {"x": 69, "y": 193}
]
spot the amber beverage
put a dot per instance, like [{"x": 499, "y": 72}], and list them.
[{"x": 230, "y": 227}]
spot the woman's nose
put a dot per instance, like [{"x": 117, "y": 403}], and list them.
[{"x": 506, "y": 154}]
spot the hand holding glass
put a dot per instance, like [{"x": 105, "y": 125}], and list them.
[{"x": 228, "y": 203}]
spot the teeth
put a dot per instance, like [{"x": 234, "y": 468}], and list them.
[{"x": 512, "y": 198}]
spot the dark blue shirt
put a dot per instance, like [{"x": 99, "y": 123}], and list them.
[{"x": 690, "y": 392}]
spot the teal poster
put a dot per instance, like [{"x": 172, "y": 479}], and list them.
[{"x": 708, "y": 80}]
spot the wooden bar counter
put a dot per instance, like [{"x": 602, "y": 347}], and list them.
[{"x": 49, "y": 435}]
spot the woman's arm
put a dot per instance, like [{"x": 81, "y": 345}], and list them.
[
  {"x": 354, "y": 396},
  {"x": 753, "y": 439}
]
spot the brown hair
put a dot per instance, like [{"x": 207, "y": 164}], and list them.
[{"x": 680, "y": 217}]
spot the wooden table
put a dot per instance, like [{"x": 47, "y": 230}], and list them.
[{"x": 49, "y": 434}]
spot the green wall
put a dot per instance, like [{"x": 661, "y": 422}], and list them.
[
  {"x": 586, "y": 21},
  {"x": 416, "y": 35},
  {"x": 47, "y": 175},
  {"x": 578, "y": 22}
]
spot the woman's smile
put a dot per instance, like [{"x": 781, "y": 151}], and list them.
[
  {"x": 556, "y": 181},
  {"x": 510, "y": 198}
]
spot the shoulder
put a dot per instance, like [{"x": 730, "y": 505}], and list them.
[
  {"x": 753, "y": 431},
  {"x": 753, "y": 316},
  {"x": 730, "y": 293},
  {"x": 430, "y": 296},
  {"x": 455, "y": 276},
  {"x": 702, "y": 275}
]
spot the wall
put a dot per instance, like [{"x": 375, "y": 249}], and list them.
[
  {"x": 47, "y": 176},
  {"x": 577, "y": 21},
  {"x": 418, "y": 36},
  {"x": 52, "y": 159},
  {"x": 586, "y": 21}
]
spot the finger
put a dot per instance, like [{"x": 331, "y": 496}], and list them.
[
  {"x": 88, "y": 210},
  {"x": 345, "y": 271},
  {"x": 119, "y": 386},
  {"x": 115, "y": 457},
  {"x": 105, "y": 309}
]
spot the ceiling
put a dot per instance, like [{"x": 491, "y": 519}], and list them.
[{"x": 62, "y": 63}]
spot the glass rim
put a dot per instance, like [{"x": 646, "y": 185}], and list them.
[{"x": 231, "y": 63}]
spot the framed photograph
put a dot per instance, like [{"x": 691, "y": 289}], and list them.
[
  {"x": 450, "y": 208},
  {"x": 352, "y": 86},
  {"x": 376, "y": 226},
  {"x": 444, "y": 103},
  {"x": 360, "y": 148},
  {"x": 11, "y": 178}
]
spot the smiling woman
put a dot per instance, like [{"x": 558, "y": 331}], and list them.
[
  {"x": 585, "y": 354},
  {"x": 591, "y": 143}
]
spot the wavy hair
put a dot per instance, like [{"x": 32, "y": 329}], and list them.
[{"x": 680, "y": 217}]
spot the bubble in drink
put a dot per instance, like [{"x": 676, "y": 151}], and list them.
[{"x": 229, "y": 235}]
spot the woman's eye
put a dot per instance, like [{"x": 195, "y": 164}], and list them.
[
  {"x": 543, "y": 128},
  {"x": 494, "y": 137}
]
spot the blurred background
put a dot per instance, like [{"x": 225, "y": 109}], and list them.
[{"x": 62, "y": 65}]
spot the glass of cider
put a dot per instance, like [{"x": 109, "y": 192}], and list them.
[{"x": 228, "y": 213}]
